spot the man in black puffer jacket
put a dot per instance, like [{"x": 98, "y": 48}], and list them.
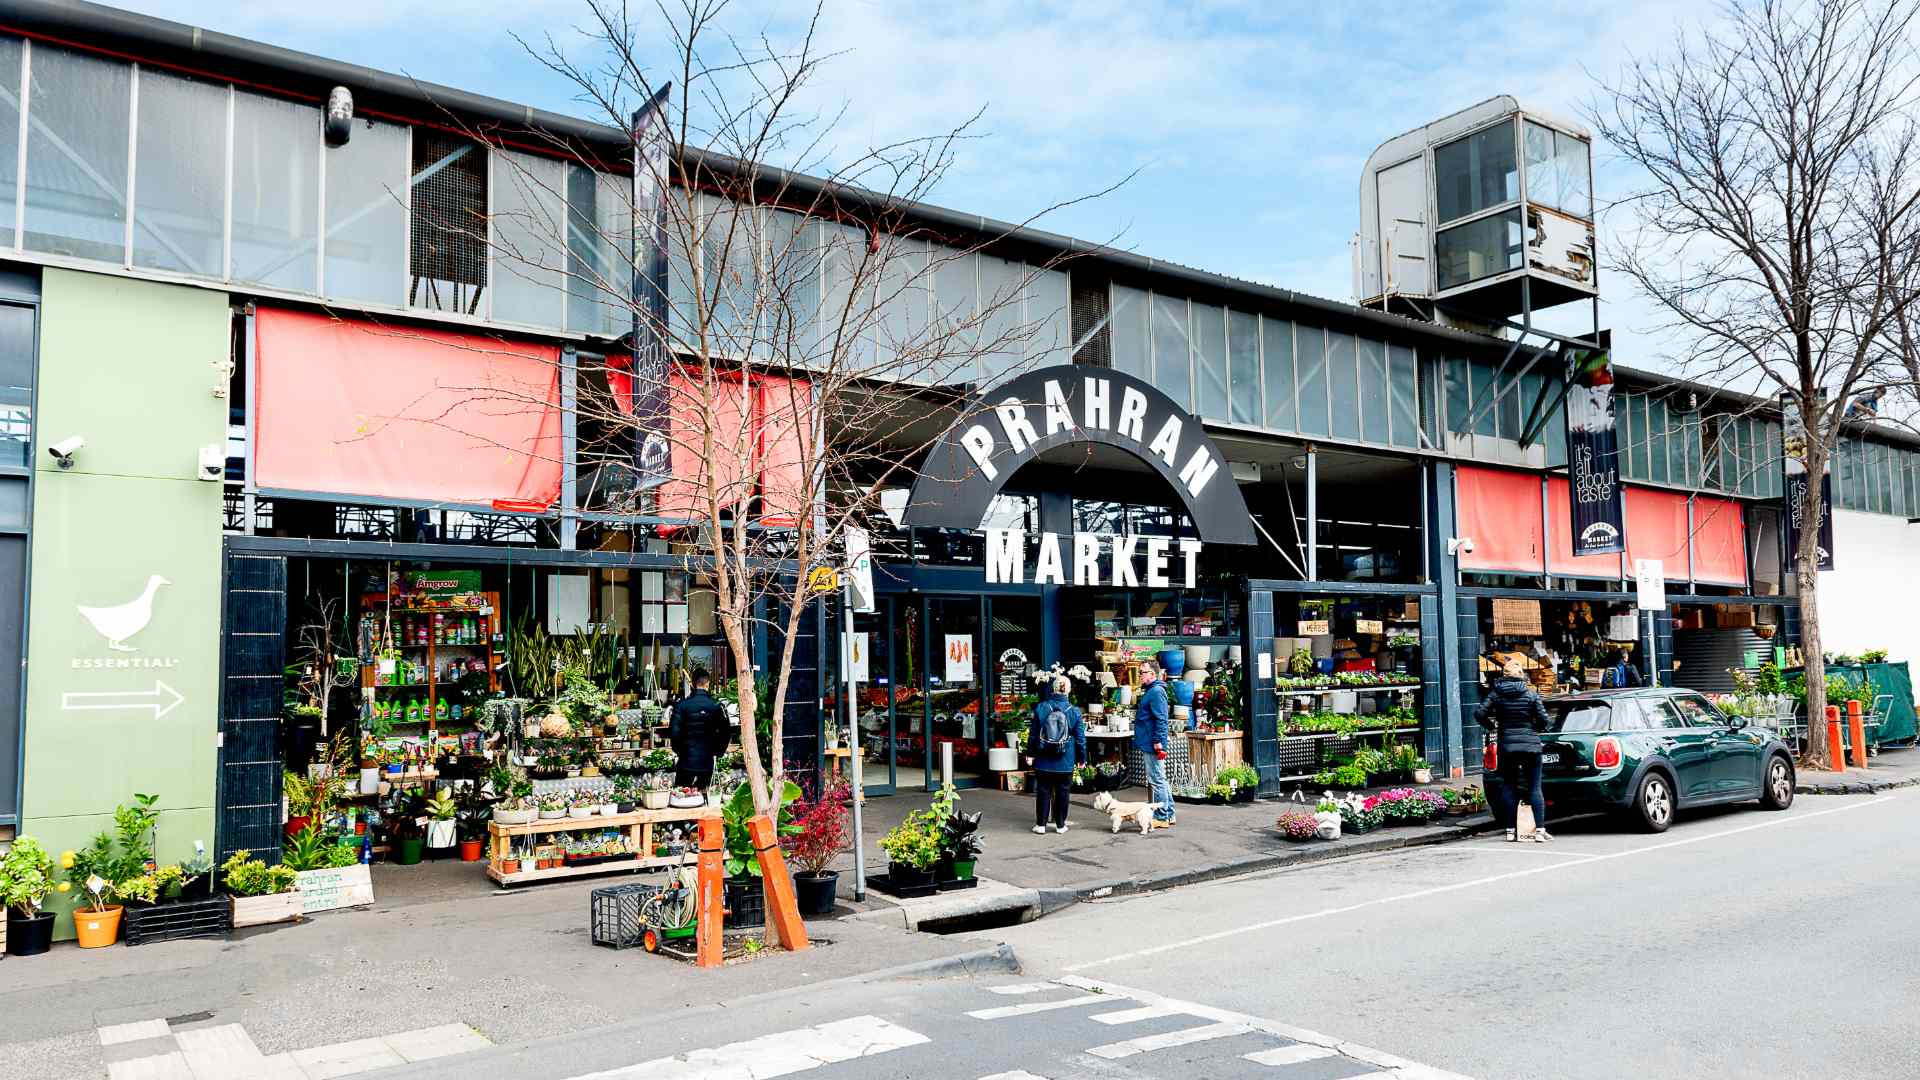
[{"x": 1513, "y": 709}]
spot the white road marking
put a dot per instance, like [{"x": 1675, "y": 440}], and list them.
[
  {"x": 1128, "y": 1016},
  {"x": 1544, "y": 868},
  {"x": 779, "y": 1054},
  {"x": 1005, "y": 1011},
  {"x": 159, "y": 1067},
  {"x": 115, "y": 1034},
  {"x": 222, "y": 1052},
  {"x": 1184, "y": 1037},
  {"x": 1367, "y": 1055},
  {"x": 1017, "y": 1074},
  {"x": 1020, "y": 988},
  {"x": 1289, "y": 1055}
]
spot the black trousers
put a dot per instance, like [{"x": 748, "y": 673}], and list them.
[
  {"x": 700, "y": 778},
  {"x": 1050, "y": 791},
  {"x": 1520, "y": 780}
]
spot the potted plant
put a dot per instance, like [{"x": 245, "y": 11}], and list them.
[
  {"x": 960, "y": 844},
  {"x": 581, "y": 805},
  {"x": 626, "y": 793},
  {"x": 473, "y": 810},
  {"x": 820, "y": 837},
  {"x": 657, "y": 790},
  {"x": 552, "y": 806},
  {"x": 408, "y": 831},
  {"x": 196, "y": 874},
  {"x": 440, "y": 811},
  {"x": 26, "y": 880},
  {"x": 1242, "y": 782},
  {"x": 261, "y": 894},
  {"x": 913, "y": 848},
  {"x": 658, "y": 759},
  {"x": 746, "y": 895},
  {"x": 1298, "y": 825}
]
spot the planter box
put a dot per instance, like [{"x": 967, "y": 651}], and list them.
[
  {"x": 261, "y": 910},
  {"x": 335, "y": 887},
  {"x": 210, "y": 918}
]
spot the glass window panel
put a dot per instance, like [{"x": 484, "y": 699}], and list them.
[
  {"x": 1276, "y": 355},
  {"x": 1374, "y": 391},
  {"x": 1310, "y": 358},
  {"x": 846, "y": 337},
  {"x": 529, "y": 239},
  {"x": 906, "y": 305},
  {"x": 1485, "y": 412},
  {"x": 1049, "y": 317},
  {"x": 727, "y": 251},
  {"x": 1557, "y": 171},
  {"x": 1431, "y": 378},
  {"x": 1459, "y": 395},
  {"x": 10, "y": 50},
  {"x": 1243, "y": 367},
  {"x": 1512, "y": 393},
  {"x": 1172, "y": 361},
  {"x": 599, "y": 252},
  {"x": 276, "y": 200},
  {"x": 683, "y": 308},
  {"x": 77, "y": 155},
  {"x": 366, "y": 214},
  {"x": 1210, "y": 360},
  {"x": 1343, "y": 385},
  {"x": 1476, "y": 172},
  {"x": 956, "y": 299},
  {"x": 1131, "y": 353},
  {"x": 448, "y": 201},
  {"x": 1657, "y": 440},
  {"x": 1002, "y": 326},
  {"x": 1478, "y": 249},
  {"x": 1402, "y": 384},
  {"x": 180, "y": 166},
  {"x": 16, "y": 385}
]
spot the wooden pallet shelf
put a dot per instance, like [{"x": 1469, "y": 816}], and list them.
[{"x": 639, "y": 825}]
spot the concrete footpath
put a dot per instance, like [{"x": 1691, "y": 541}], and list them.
[
  {"x": 442, "y": 949},
  {"x": 1037, "y": 874},
  {"x": 1887, "y": 770}
]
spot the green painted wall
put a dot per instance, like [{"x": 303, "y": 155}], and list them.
[{"x": 129, "y": 366}]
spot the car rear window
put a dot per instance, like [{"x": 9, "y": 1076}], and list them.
[{"x": 1569, "y": 716}]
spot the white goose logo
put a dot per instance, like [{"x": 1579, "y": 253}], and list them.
[{"x": 121, "y": 622}]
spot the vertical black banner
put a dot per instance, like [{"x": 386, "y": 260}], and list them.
[
  {"x": 1799, "y": 478},
  {"x": 1598, "y": 512},
  {"x": 652, "y": 413}
]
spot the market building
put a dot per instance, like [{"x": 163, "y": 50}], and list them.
[{"x": 203, "y": 296}]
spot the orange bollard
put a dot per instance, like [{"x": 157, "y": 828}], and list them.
[
  {"x": 1857, "y": 731},
  {"x": 781, "y": 901},
  {"x": 710, "y": 932},
  {"x": 1836, "y": 750}
]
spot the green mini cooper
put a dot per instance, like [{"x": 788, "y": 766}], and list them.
[{"x": 1652, "y": 752}]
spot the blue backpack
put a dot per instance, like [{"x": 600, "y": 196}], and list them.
[{"x": 1055, "y": 727}]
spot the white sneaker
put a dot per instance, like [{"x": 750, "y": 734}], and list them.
[
  {"x": 1512, "y": 835},
  {"x": 1541, "y": 836},
  {"x": 1040, "y": 830},
  {"x": 1060, "y": 828}
]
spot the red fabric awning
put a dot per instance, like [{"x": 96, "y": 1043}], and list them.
[
  {"x": 723, "y": 412},
  {"x": 1657, "y": 529},
  {"x": 1500, "y": 510},
  {"x": 350, "y": 407},
  {"x": 786, "y": 421},
  {"x": 1719, "y": 541},
  {"x": 1561, "y": 561}
]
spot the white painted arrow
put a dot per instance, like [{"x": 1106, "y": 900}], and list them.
[{"x": 162, "y": 699}]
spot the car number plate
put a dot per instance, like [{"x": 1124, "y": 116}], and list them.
[{"x": 1549, "y": 759}]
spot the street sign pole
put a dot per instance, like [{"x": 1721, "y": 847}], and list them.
[{"x": 853, "y": 737}]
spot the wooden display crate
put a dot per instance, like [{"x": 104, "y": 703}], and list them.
[
  {"x": 1211, "y": 751},
  {"x": 639, "y": 825}
]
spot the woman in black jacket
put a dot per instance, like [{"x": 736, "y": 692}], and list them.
[{"x": 1513, "y": 709}]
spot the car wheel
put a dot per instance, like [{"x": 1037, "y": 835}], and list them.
[
  {"x": 1776, "y": 791},
  {"x": 1654, "y": 802}
]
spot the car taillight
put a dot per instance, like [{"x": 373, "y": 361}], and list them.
[
  {"x": 1490, "y": 760},
  {"x": 1606, "y": 753}
]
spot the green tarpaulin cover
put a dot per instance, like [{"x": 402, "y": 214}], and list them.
[{"x": 1893, "y": 679}]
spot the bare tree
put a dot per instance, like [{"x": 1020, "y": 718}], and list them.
[
  {"x": 806, "y": 345},
  {"x": 1775, "y": 224}
]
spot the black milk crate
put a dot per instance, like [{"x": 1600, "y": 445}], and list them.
[
  {"x": 614, "y": 914},
  {"x": 210, "y": 918}
]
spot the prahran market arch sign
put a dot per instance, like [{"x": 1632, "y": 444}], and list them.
[{"x": 1063, "y": 405}]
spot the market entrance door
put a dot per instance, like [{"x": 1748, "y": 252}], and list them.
[{"x": 879, "y": 685}]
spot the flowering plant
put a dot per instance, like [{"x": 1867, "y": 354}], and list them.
[
  {"x": 1298, "y": 825},
  {"x": 823, "y": 832}
]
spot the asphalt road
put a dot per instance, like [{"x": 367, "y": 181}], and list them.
[{"x": 1740, "y": 944}]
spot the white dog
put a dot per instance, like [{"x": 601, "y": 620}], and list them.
[{"x": 1120, "y": 813}]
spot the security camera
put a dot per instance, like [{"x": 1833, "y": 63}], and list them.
[
  {"x": 213, "y": 462},
  {"x": 64, "y": 450},
  {"x": 1459, "y": 545}
]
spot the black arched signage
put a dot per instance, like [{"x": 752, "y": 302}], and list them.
[{"x": 1057, "y": 406}]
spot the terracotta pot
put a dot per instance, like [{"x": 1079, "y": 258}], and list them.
[
  {"x": 470, "y": 851},
  {"x": 97, "y": 929},
  {"x": 509, "y": 866}
]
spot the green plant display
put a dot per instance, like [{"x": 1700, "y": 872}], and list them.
[
  {"x": 26, "y": 877},
  {"x": 245, "y": 875},
  {"x": 737, "y": 811},
  {"x": 916, "y": 841}
]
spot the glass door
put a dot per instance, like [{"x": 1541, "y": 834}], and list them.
[
  {"x": 1014, "y": 642},
  {"x": 953, "y": 699},
  {"x": 875, "y": 689}
]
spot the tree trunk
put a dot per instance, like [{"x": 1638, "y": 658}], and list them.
[{"x": 1807, "y": 569}]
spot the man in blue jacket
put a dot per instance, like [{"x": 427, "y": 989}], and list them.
[{"x": 1150, "y": 738}]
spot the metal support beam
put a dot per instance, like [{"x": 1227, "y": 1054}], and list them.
[{"x": 1313, "y": 514}]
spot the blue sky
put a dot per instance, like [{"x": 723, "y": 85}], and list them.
[{"x": 1248, "y": 122}]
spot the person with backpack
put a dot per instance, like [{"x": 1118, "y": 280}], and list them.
[
  {"x": 1621, "y": 675},
  {"x": 1056, "y": 742}
]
